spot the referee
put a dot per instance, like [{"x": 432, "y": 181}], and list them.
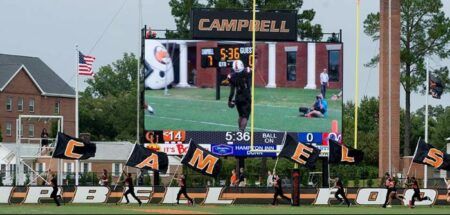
[{"x": 240, "y": 93}]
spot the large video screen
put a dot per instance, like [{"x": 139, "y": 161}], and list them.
[{"x": 183, "y": 102}]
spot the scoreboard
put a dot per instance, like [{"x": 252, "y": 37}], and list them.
[
  {"x": 235, "y": 143},
  {"x": 224, "y": 55}
]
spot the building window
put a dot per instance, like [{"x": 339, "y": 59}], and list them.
[
  {"x": 2, "y": 170},
  {"x": 40, "y": 167},
  {"x": 291, "y": 65},
  {"x": 57, "y": 107},
  {"x": 31, "y": 130},
  {"x": 334, "y": 64},
  {"x": 20, "y": 104},
  {"x": 25, "y": 169},
  {"x": 116, "y": 168},
  {"x": 68, "y": 167},
  {"x": 8, "y": 128},
  {"x": 85, "y": 167},
  {"x": 9, "y": 104},
  {"x": 21, "y": 130},
  {"x": 31, "y": 105}
]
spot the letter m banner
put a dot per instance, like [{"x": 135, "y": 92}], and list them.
[{"x": 201, "y": 160}]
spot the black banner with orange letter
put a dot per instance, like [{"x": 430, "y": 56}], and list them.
[
  {"x": 200, "y": 160},
  {"x": 72, "y": 148},
  {"x": 428, "y": 155},
  {"x": 340, "y": 153},
  {"x": 301, "y": 153},
  {"x": 143, "y": 158}
]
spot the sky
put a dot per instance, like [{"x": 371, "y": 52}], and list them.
[{"x": 51, "y": 29}]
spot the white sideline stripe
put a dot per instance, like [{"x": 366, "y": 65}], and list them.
[
  {"x": 204, "y": 122},
  {"x": 262, "y": 105},
  {"x": 200, "y": 100}
]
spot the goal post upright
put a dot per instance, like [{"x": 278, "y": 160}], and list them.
[{"x": 19, "y": 133}]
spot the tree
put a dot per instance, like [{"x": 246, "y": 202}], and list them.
[
  {"x": 441, "y": 130},
  {"x": 108, "y": 104},
  {"x": 367, "y": 128},
  {"x": 424, "y": 34},
  {"x": 181, "y": 11}
]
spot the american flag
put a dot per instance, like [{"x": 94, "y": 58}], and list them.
[{"x": 85, "y": 64}]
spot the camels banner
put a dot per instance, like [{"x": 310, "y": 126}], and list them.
[
  {"x": 340, "y": 153},
  {"x": 143, "y": 158},
  {"x": 301, "y": 153},
  {"x": 72, "y": 148},
  {"x": 428, "y": 155},
  {"x": 202, "y": 161}
]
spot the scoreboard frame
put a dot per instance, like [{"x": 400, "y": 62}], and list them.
[{"x": 224, "y": 55}]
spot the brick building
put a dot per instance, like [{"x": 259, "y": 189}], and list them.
[{"x": 29, "y": 87}]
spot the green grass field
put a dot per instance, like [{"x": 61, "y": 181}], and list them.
[
  {"x": 200, "y": 209},
  {"x": 195, "y": 109}
]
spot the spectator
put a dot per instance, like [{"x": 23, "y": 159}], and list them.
[
  {"x": 269, "y": 179},
  {"x": 44, "y": 140},
  {"x": 242, "y": 178},
  {"x": 234, "y": 178},
  {"x": 324, "y": 82},
  {"x": 104, "y": 178},
  {"x": 318, "y": 109},
  {"x": 149, "y": 34},
  {"x": 333, "y": 38}
]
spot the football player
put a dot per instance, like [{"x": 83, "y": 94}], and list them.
[{"x": 240, "y": 92}]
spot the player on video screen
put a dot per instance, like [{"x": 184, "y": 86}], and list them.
[{"x": 240, "y": 92}]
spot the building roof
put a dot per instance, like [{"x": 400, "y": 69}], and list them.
[
  {"x": 42, "y": 75},
  {"x": 106, "y": 151},
  {"x": 119, "y": 151}
]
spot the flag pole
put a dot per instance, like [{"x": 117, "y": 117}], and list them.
[
  {"x": 356, "y": 77},
  {"x": 414, "y": 155},
  {"x": 425, "y": 168},
  {"x": 77, "y": 162}
]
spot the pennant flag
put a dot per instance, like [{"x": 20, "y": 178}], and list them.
[
  {"x": 201, "y": 160},
  {"x": 301, "y": 153},
  {"x": 339, "y": 153},
  {"x": 72, "y": 148},
  {"x": 436, "y": 87},
  {"x": 143, "y": 158},
  {"x": 428, "y": 155}
]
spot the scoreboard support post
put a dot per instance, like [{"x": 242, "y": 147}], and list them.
[
  {"x": 156, "y": 178},
  {"x": 295, "y": 195},
  {"x": 325, "y": 176},
  {"x": 217, "y": 83}
]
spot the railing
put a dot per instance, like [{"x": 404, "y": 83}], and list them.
[{"x": 334, "y": 37}]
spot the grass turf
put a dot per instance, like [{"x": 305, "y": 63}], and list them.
[
  {"x": 195, "y": 109},
  {"x": 219, "y": 209}
]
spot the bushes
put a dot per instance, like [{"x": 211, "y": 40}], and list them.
[
  {"x": 357, "y": 173},
  {"x": 89, "y": 178}
]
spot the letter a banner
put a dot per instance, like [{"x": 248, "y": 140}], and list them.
[
  {"x": 72, "y": 148},
  {"x": 200, "y": 160},
  {"x": 340, "y": 153},
  {"x": 143, "y": 158},
  {"x": 428, "y": 155},
  {"x": 300, "y": 153}
]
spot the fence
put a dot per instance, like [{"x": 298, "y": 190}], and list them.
[{"x": 194, "y": 179}]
